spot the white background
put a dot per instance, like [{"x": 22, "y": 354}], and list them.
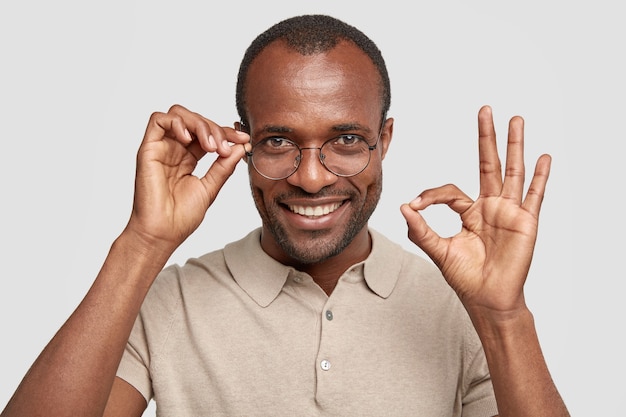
[{"x": 78, "y": 81}]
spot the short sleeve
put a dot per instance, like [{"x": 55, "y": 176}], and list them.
[
  {"x": 478, "y": 399},
  {"x": 134, "y": 366}
]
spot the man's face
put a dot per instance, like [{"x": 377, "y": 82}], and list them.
[{"x": 313, "y": 214}]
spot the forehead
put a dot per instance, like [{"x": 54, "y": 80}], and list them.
[{"x": 337, "y": 86}]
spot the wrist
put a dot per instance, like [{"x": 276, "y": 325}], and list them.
[
  {"x": 145, "y": 252},
  {"x": 502, "y": 325},
  {"x": 145, "y": 244}
]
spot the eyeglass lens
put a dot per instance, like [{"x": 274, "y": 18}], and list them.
[{"x": 278, "y": 158}]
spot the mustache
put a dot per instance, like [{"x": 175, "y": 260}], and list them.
[{"x": 324, "y": 192}]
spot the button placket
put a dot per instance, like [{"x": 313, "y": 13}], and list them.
[{"x": 327, "y": 316}]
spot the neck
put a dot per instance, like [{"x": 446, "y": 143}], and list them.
[{"x": 326, "y": 272}]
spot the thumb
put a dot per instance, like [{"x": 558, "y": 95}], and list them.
[
  {"x": 222, "y": 168},
  {"x": 421, "y": 234}
]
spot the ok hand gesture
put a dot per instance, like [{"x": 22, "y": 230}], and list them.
[{"x": 487, "y": 262}]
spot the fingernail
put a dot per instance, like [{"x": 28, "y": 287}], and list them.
[{"x": 416, "y": 200}]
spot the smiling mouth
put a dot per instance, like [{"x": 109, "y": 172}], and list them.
[{"x": 315, "y": 211}]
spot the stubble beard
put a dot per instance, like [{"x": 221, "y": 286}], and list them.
[{"x": 320, "y": 245}]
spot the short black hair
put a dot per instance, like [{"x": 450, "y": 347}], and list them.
[{"x": 308, "y": 35}]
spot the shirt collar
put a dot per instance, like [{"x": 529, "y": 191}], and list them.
[
  {"x": 262, "y": 277},
  {"x": 383, "y": 266},
  {"x": 257, "y": 273}
]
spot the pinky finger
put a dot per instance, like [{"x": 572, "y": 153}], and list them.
[{"x": 537, "y": 188}]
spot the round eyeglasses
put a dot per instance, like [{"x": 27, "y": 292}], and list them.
[{"x": 276, "y": 158}]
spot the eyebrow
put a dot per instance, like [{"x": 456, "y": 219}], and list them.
[
  {"x": 276, "y": 129},
  {"x": 342, "y": 127},
  {"x": 346, "y": 127}
]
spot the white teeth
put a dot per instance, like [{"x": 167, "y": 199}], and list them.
[{"x": 314, "y": 211}]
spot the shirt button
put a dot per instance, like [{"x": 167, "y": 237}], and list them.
[
  {"x": 298, "y": 279},
  {"x": 325, "y": 365},
  {"x": 329, "y": 315}
]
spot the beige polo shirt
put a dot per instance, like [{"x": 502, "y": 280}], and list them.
[{"x": 235, "y": 333}]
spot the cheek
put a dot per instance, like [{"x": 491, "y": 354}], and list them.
[
  {"x": 370, "y": 178},
  {"x": 262, "y": 190},
  {"x": 255, "y": 188}
]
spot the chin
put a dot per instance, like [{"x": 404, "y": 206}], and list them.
[{"x": 317, "y": 246}]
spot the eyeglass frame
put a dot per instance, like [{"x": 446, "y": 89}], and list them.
[{"x": 320, "y": 156}]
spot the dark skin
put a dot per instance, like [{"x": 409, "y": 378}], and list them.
[
  {"x": 313, "y": 99},
  {"x": 487, "y": 263},
  {"x": 75, "y": 374}
]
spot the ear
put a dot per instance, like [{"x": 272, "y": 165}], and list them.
[
  {"x": 247, "y": 147},
  {"x": 385, "y": 137}
]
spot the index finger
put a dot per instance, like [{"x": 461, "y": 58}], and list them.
[
  {"x": 223, "y": 147},
  {"x": 197, "y": 133},
  {"x": 209, "y": 134}
]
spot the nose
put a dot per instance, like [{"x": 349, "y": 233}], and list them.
[{"x": 311, "y": 175}]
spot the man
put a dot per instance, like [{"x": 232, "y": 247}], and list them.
[{"x": 314, "y": 313}]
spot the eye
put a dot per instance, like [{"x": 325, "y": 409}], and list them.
[
  {"x": 276, "y": 144},
  {"x": 348, "y": 140}
]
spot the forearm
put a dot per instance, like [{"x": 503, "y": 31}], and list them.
[
  {"x": 521, "y": 379},
  {"x": 74, "y": 373}
]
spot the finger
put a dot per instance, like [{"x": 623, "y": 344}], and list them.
[
  {"x": 205, "y": 131},
  {"x": 163, "y": 125},
  {"x": 537, "y": 188},
  {"x": 449, "y": 195},
  {"x": 183, "y": 126},
  {"x": 222, "y": 168},
  {"x": 231, "y": 136},
  {"x": 513, "y": 186},
  {"x": 196, "y": 150},
  {"x": 224, "y": 147},
  {"x": 423, "y": 235},
  {"x": 215, "y": 138},
  {"x": 210, "y": 136},
  {"x": 419, "y": 232},
  {"x": 490, "y": 167}
]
